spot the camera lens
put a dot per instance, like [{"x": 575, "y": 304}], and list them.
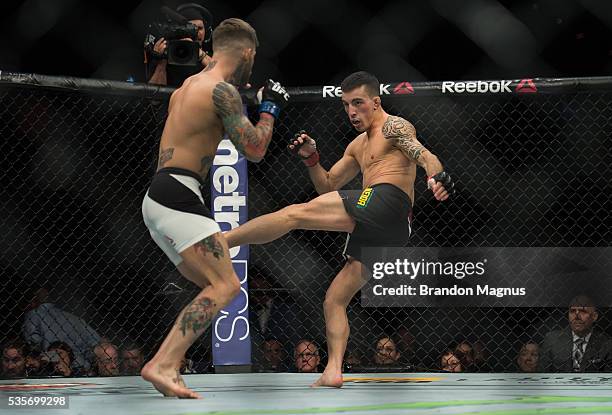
[{"x": 183, "y": 52}]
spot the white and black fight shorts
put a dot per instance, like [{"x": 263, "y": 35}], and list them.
[{"x": 174, "y": 211}]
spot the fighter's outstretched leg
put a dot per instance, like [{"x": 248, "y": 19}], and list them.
[
  {"x": 323, "y": 213},
  {"x": 208, "y": 264},
  {"x": 339, "y": 294}
]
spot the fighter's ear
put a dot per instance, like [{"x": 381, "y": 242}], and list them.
[{"x": 376, "y": 102}]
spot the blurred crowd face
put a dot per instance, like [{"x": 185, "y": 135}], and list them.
[
  {"x": 131, "y": 362},
  {"x": 451, "y": 363},
  {"x": 32, "y": 364},
  {"x": 13, "y": 363},
  {"x": 528, "y": 357},
  {"x": 107, "y": 360},
  {"x": 386, "y": 352},
  {"x": 273, "y": 353},
  {"x": 62, "y": 364},
  {"x": 581, "y": 319},
  {"x": 467, "y": 352},
  {"x": 307, "y": 357}
]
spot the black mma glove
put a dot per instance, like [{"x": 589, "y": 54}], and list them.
[
  {"x": 445, "y": 180},
  {"x": 273, "y": 98},
  {"x": 309, "y": 159}
]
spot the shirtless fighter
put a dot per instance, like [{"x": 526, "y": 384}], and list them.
[
  {"x": 205, "y": 108},
  {"x": 386, "y": 152}
]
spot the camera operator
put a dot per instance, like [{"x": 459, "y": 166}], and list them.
[{"x": 167, "y": 73}]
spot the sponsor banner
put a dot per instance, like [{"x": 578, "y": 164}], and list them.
[
  {"x": 504, "y": 86},
  {"x": 486, "y": 277},
  {"x": 229, "y": 191}
]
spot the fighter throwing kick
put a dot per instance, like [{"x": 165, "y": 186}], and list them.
[{"x": 386, "y": 152}]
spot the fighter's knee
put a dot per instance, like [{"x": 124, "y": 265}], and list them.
[
  {"x": 295, "y": 214},
  {"x": 231, "y": 287},
  {"x": 332, "y": 300}
]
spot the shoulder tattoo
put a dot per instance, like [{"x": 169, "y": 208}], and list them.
[
  {"x": 227, "y": 100},
  {"x": 404, "y": 135}
]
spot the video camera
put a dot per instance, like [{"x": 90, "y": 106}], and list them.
[{"x": 173, "y": 29}]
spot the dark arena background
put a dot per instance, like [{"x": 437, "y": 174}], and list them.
[{"x": 514, "y": 97}]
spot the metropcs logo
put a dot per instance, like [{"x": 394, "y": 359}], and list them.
[{"x": 229, "y": 202}]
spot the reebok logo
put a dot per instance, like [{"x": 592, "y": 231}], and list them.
[
  {"x": 526, "y": 86},
  {"x": 403, "y": 88},
  {"x": 335, "y": 91},
  {"x": 476, "y": 87}
]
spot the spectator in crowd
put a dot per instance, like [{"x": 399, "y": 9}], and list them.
[
  {"x": 174, "y": 75},
  {"x": 527, "y": 359},
  {"x": 386, "y": 352},
  {"x": 58, "y": 359},
  {"x": 450, "y": 362},
  {"x": 352, "y": 361},
  {"x": 273, "y": 356},
  {"x": 479, "y": 354},
  {"x": 187, "y": 367},
  {"x": 578, "y": 348},
  {"x": 307, "y": 357},
  {"x": 44, "y": 323},
  {"x": 13, "y": 361},
  {"x": 270, "y": 315},
  {"x": 33, "y": 364},
  {"x": 106, "y": 360},
  {"x": 405, "y": 345},
  {"x": 132, "y": 360},
  {"x": 465, "y": 352}
]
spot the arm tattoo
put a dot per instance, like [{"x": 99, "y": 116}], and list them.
[
  {"x": 165, "y": 156},
  {"x": 212, "y": 245},
  {"x": 246, "y": 138},
  {"x": 205, "y": 164},
  {"x": 404, "y": 134},
  {"x": 197, "y": 315}
]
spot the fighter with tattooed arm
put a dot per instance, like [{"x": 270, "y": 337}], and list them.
[
  {"x": 386, "y": 152},
  {"x": 205, "y": 108}
]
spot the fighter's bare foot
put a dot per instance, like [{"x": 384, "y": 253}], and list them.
[
  {"x": 330, "y": 379},
  {"x": 168, "y": 381}
]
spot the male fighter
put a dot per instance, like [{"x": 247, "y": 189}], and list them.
[
  {"x": 205, "y": 108},
  {"x": 386, "y": 152}
]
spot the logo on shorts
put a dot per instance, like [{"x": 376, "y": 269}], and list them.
[
  {"x": 365, "y": 197},
  {"x": 170, "y": 240}
]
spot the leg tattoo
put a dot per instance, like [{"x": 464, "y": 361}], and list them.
[
  {"x": 197, "y": 315},
  {"x": 212, "y": 245}
]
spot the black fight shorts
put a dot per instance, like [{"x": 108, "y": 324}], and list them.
[{"x": 383, "y": 215}]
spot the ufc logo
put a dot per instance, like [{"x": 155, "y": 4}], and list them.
[{"x": 277, "y": 87}]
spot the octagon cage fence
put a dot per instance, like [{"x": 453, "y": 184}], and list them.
[{"x": 530, "y": 158}]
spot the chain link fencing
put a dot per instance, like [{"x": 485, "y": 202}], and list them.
[{"x": 531, "y": 170}]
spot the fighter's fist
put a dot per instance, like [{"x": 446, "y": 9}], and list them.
[
  {"x": 305, "y": 147},
  {"x": 441, "y": 185},
  {"x": 273, "y": 98}
]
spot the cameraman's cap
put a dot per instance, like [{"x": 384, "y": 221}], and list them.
[{"x": 195, "y": 12}]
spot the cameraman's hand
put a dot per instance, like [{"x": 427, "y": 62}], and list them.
[{"x": 160, "y": 46}]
